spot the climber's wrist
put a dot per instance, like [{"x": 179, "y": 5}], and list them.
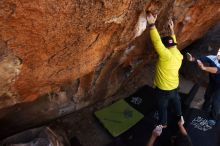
[{"x": 152, "y": 25}]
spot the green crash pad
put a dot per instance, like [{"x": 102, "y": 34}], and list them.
[{"x": 118, "y": 117}]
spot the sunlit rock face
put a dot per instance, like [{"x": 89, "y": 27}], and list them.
[{"x": 86, "y": 51}]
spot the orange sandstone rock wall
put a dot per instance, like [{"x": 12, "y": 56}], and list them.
[{"x": 85, "y": 51}]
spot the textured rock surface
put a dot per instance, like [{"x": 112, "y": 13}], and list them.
[
  {"x": 85, "y": 51},
  {"x": 42, "y": 136},
  {"x": 64, "y": 41}
]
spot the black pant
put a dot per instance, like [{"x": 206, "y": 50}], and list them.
[
  {"x": 212, "y": 100},
  {"x": 165, "y": 97}
]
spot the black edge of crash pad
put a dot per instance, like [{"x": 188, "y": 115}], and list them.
[
  {"x": 201, "y": 129},
  {"x": 144, "y": 99}
]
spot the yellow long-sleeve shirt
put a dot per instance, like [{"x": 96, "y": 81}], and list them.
[{"x": 168, "y": 64}]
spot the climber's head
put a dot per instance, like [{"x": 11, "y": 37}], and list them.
[{"x": 168, "y": 41}]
